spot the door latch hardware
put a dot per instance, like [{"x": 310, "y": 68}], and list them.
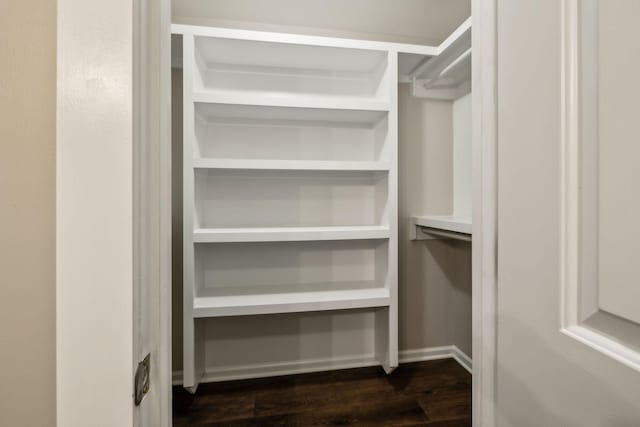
[{"x": 141, "y": 384}]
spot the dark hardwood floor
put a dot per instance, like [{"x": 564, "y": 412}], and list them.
[{"x": 435, "y": 394}]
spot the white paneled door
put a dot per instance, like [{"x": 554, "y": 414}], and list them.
[{"x": 568, "y": 297}]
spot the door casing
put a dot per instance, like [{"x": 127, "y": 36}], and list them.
[{"x": 136, "y": 96}]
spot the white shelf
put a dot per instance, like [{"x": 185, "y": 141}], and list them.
[
  {"x": 448, "y": 74},
  {"x": 272, "y": 303},
  {"x": 445, "y": 223},
  {"x": 297, "y": 59},
  {"x": 287, "y": 109},
  {"x": 291, "y": 101},
  {"x": 300, "y": 39},
  {"x": 289, "y": 234},
  {"x": 440, "y": 227},
  {"x": 228, "y": 131},
  {"x": 455, "y": 46},
  {"x": 241, "y": 113},
  {"x": 309, "y": 165}
]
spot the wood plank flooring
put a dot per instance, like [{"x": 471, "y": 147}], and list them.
[{"x": 435, "y": 394}]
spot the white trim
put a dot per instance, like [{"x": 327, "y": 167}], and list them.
[
  {"x": 485, "y": 227},
  {"x": 604, "y": 345},
  {"x": 449, "y": 51},
  {"x": 457, "y": 33},
  {"x": 463, "y": 359},
  {"x": 152, "y": 206},
  {"x": 569, "y": 233},
  {"x": 164, "y": 362},
  {"x": 94, "y": 214},
  {"x": 263, "y": 370},
  {"x": 101, "y": 226},
  {"x": 165, "y": 217},
  {"x": 428, "y": 353}
]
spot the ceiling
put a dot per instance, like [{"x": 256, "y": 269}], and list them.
[{"x": 407, "y": 21}]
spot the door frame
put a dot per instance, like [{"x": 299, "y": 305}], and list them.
[
  {"x": 146, "y": 34},
  {"x": 113, "y": 211},
  {"x": 485, "y": 210},
  {"x": 152, "y": 220}
]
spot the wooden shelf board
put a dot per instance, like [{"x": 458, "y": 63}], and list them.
[
  {"x": 451, "y": 49},
  {"x": 289, "y": 234},
  {"x": 444, "y": 222},
  {"x": 290, "y": 100},
  {"x": 310, "y": 40},
  {"x": 311, "y": 165},
  {"x": 242, "y": 305},
  {"x": 448, "y": 74},
  {"x": 315, "y": 117}
]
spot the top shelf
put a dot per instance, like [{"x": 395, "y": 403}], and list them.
[
  {"x": 308, "y": 40},
  {"x": 289, "y": 75},
  {"x": 225, "y": 49},
  {"x": 455, "y": 46},
  {"x": 447, "y": 75},
  {"x": 214, "y": 52}
]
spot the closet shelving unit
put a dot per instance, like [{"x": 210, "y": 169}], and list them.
[
  {"x": 447, "y": 76},
  {"x": 289, "y": 178}
]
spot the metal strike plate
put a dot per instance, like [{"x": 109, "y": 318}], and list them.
[{"x": 141, "y": 382}]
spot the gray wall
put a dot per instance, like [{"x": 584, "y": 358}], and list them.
[
  {"x": 27, "y": 212},
  {"x": 435, "y": 275}
]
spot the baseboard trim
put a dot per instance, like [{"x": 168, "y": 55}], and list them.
[
  {"x": 424, "y": 354},
  {"x": 435, "y": 353},
  {"x": 264, "y": 370},
  {"x": 462, "y": 358}
]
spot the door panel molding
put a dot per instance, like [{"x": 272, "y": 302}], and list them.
[{"x": 582, "y": 317}]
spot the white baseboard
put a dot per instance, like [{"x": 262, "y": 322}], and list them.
[
  {"x": 423, "y": 354},
  {"x": 241, "y": 372},
  {"x": 435, "y": 353},
  {"x": 462, "y": 358}
]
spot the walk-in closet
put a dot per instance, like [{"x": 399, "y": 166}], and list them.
[{"x": 322, "y": 197}]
